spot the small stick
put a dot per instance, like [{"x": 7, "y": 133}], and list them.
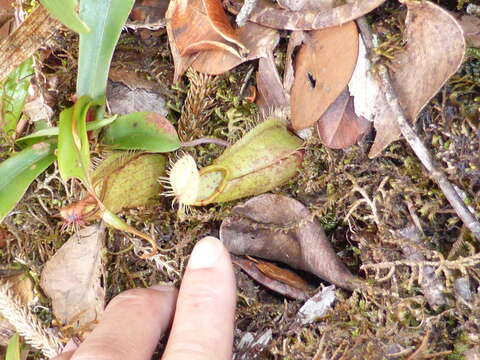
[
  {"x": 205, "y": 140},
  {"x": 245, "y": 12},
  {"x": 416, "y": 143}
]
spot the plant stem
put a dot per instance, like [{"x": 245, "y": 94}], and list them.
[
  {"x": 205, "y": 140},
  {"x": 414, "y": 140}
]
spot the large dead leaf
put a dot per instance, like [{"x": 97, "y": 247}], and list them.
[
  {"x": 195, "y": 26},
  {"x": 434, "y": 52},
  {"x": 339, "y": 127},
  {"x": 279, "y": 228},
  {"x": 259, "y": 41},
  {"x": 270, "y": 14},
  {"x": 219, "y": 21},
  {"x": 193, "y": 30},
  {"x": 72, "y": 278},
  {"x": 323, "y": 68}
]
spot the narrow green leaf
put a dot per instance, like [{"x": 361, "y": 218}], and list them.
[
  {"x": 105, "y": 18},
  {"x": 53, "y": 131},
  {"x": 13, "y": 94},
  {"x": 18, "y": 172},
  {"x": 13, "y": 348},
  {"x": 142, "y": 131},
  {"x": 66, "y": 12},
  {"x": 73, "y": 146}
]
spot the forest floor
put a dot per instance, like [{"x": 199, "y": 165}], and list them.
[{"x": 364, "y": 205}]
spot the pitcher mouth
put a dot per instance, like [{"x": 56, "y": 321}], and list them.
[{"x": 213, "y": 180}]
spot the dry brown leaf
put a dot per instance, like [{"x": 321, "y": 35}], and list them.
[
  {"x": 339, "y": 127},
  {"x": 471, "y": 29},
  {"x": 267, "y": 13},
  {"x": 259, "y": 41},
  {"x": 72, "y": 278},
  {"x": 296, "y": 39},
  {"x": 280, "y": 274},
  {"x": 219, "y": 21},
  {"x": 434, "y": 52},
  {"x": 125, "y": 100},
  {"x": 181, "y": 63},
  {"x": 189, "y": 31},
  {"x": 323, "y": 68},
  {"x": 279, "y": 228},
  {"x": 7, "y": 17},
  {"x": 148, "y": 12},
  {"x": 193, "y": 30},
  {"x": 281, "y": 287},
  {"x": 271, "y": 94}
]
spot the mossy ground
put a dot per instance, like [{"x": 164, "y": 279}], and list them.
[{"x": 361, "y": 203}]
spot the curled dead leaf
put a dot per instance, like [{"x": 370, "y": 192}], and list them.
[
  {"x": 339, "y": 127},
  {"x": 282, "y": 229},
  {"x": 268, "y": 14},
  {"x": 219, "y": 21},
  {"x": 269, "y": 281},
  {"x": 259, "y": 41},
  {"x": 434, "y": 52},
  {"x": 323, "y": 68},
  {"x": 272, "y": 95},
  {"x": 200, "y": 33},
  {"x": 72, "y": 278}
]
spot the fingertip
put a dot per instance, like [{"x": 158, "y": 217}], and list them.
[
  {"x": 203, "y": 323},
  {"x": 206, "y": 253}
]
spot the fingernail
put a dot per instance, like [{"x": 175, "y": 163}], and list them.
[
  {"x": 206, "y": 253},
  {"x": 162, "y": 287}
]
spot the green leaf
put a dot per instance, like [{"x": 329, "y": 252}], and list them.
[
  {"x": 65, "y": 12},
  {"x": 18, "y": 172},
  {"x": 53, "y": 131},
  {"x": 105, "y": 18},
  {"x": 73, "y": 147},
  {"x": 13, "y": 94},
  {"x": 142, "y": 131},
  {"x": 13, "y": 348}
]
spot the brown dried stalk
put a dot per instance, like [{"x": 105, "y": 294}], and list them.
[
  {"x": 23, "y": 42},
  {"x": 198, "y": 105},
  {"x": 27, "y": 325},
  {"x": 436, "y": 173}
]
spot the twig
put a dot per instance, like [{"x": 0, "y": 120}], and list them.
[
  {"x": 415, "y": 142},
  {"x": 205, "y": 140},
  {"x": 245, "y": 12}
]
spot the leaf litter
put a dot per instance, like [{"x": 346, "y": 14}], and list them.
[{"x": 359, "y": 202}]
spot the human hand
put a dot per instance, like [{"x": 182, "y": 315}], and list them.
[{"x": 202, "y": 314}]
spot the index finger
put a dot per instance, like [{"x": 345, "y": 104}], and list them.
[{"x": 203, "y": 325}]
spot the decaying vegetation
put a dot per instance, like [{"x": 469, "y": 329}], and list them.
[{"x": 387, "y": 220}]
